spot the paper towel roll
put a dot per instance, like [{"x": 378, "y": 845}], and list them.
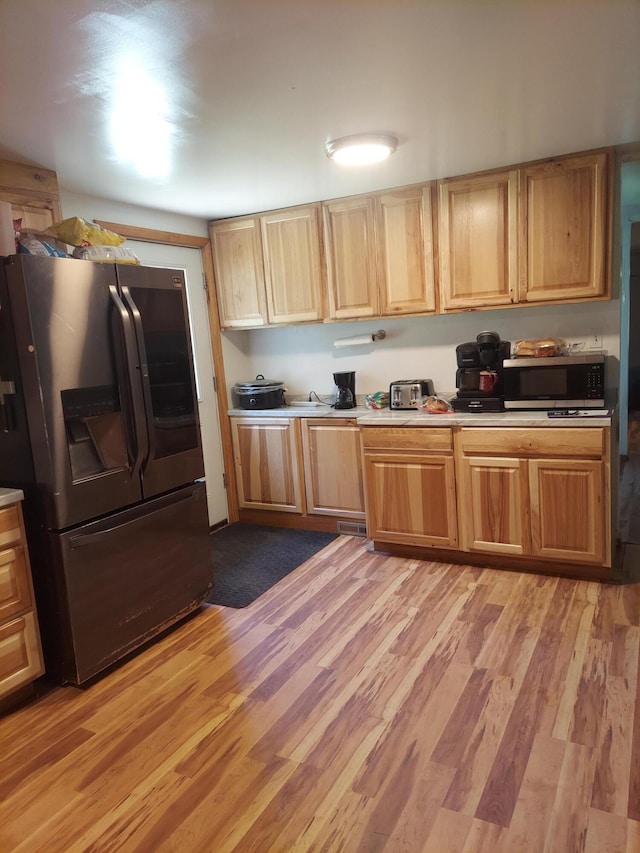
[{"x": 355, "y": 341}]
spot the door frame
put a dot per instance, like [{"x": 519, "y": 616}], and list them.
[
  {"x": 629, "y": 153},
  {"x": 189, "y": 241}
]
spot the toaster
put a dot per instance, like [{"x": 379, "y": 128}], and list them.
[{"x": 404, "y": 392}]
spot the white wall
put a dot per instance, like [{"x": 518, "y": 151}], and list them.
[
  {"x": 303, "y": 357},
  {"x": 88, "y": 207}
]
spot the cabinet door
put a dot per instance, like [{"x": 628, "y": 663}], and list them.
[
  {"x": 15, "y": 590},
  {"x": 563, "y": 229},
  {"x": 293, "y": 265},
  {"x": 411, "y": 499},
  {"x": 477, "y": 230},
  {"x": 33, "y": 195},
  {"x": 567, "y": 512},
  {"x": 493, "y": 505},
  {"x": 237, "y": 262},
  {"x": 349, "y": 230},
  {"x": 268, "y": 463},
  {"x": 20, "y": 650},
  {"x": 333, "y": 467},
  {"x": 405, "y": 242},
  {"x": 20, "y": 655}
]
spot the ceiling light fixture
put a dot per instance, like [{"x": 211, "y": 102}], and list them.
[{"x": 361, "y": 148}]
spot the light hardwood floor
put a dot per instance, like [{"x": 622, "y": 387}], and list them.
[{"x": 365, "y": 703}]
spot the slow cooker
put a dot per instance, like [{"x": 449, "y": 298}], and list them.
[{"x": 260, "y": 393}]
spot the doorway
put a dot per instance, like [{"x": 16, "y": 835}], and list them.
[
  {"x": 633, "y": 368},
  {"x": 629, "y": 394}
]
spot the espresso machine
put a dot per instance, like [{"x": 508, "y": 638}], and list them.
[
  {"x": 346, "y": 393},
  {"x": 479, "y": 377}
]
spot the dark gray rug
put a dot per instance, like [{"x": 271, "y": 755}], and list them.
[{"x": 248, "y": 559}]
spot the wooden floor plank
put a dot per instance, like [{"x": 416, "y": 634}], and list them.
[
  {"x": 501, "y": 792},
  {"x": 613, "y": 769},
  {"x": 529, "y": 825},
  {"x": 606, "y": 833},
  {"x": 366, "y": 703},
  {"x": 569, "y": 820}
]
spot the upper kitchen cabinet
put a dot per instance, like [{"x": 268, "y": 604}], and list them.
[
  {"x": 563, "y": 228},
  {"x": 32, "y": 193},
  {"x": 530, "y": 233},
  {"x": 293, "y": 264},
  {"x": 478, "y": 232},
  {"x": 239, "y": 271},
  {"x": 350, "y": 245},
  {"x": 404, "y": 226}
]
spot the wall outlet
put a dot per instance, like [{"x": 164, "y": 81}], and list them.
[{"x": 594, "y": 341}]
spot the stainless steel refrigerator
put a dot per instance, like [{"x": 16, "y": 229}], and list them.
[{"x": 99, "y": 428}]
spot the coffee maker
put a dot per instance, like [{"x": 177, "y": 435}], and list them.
[
  {"x": 346, "y": 394},
  {"x": 479, "y": 377}
]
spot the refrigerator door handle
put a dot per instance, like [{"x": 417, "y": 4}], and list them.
[
  {"x": 142, "y": 445},
  {"x": 144, "y": 370},
  {"x": 81, "y": 539}
]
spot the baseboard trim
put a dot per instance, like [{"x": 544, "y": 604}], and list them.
[
  {"x": 531, "y": 565},
  {"x": 326, "y": 523}
]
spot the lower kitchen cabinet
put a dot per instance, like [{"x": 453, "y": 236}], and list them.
[
  {"x": 20, "y": 648},
  {"x": 538, "y": 492},
  {"x": 410, "y": 486},
  {"x": 268, "y": 463},
  {"x": 493, "y": 505},
  {"x": 308, "y": 466},
  {"x": 567, "y": 503},
  {"x": 538, "y": 497},
  {"x": 333, "y": 467}
]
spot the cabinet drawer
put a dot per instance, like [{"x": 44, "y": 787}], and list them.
[
  {"x": 407, "y": 438},
  {"x": 9, "y": 526},
  {"x": 15, "y": 592},
  {"x": 20, "y": 655},
  {"x": 577, "y": 442}
]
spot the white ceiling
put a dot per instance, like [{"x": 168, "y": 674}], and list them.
[{"x": 241, "y": 95}]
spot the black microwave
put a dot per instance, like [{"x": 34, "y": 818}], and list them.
[{"x": 559, "y": 382}]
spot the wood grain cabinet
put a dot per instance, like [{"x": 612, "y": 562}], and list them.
[
  {"x": 380, "y": 254},
  {"x": 540, "y": 492},
  {"x": 333, "y": 467},
  {"x": 404, "y": 229},
  {"x": 33, "y": 194},
  {"x": 350, "y": 250},
  {"x": 20, "y": 649},
  {"x": 294, "y": 277},
  {"x": 536, "y": 233},
  {"x": 410, "y": 486},
  {"x": 268, "y": 463},
  {"x": 493, "y": 505},
  {"x": 563, "y": 228},
  {"x": 531, "y": 233},
  {"x": 268, "y": 268},
  {"x": 478, "y": 240},
  {"x": 239, "y": 270}
]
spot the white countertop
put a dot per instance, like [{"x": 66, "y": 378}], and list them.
[
  {"x": 387, "y": 417},
  {"x": 321, "y": 411},
  {"x": 487, "y": 419},
  {"x": 10, "y": 496}
]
